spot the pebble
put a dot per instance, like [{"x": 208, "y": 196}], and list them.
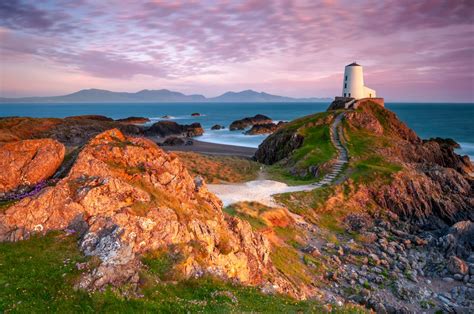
[{"x": 448, "y": 279}]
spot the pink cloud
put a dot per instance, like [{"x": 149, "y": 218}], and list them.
[{"x": 299, "y": 47}]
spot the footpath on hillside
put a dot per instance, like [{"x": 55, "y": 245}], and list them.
[{"x": 262, "y": 191}]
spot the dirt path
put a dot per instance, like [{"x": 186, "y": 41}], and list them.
[{"x": 262, "y": 190}]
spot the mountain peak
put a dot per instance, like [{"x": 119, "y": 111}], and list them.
[{"x": 94, "y": 95}]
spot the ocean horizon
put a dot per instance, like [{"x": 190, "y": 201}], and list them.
[{"x": 446, "y": 120}]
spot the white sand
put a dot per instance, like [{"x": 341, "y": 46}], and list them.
[{"x": 254, "y": 191}]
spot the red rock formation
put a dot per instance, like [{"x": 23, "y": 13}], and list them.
[
  {"x": 125, "y": 196},
  {"x": 26, "y": 163}
]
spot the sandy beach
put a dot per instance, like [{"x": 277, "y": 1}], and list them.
[{"x": 213, "y": 149}]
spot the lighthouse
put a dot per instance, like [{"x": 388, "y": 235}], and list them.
[{"x": 353, "y": 84}]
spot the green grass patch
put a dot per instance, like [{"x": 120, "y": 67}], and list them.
[
  {"x": 161, "y": 262},
  {"x": 37, "y": 276},
  {"x": 317, "y": 147},
  {"x": 315, "y": 150},
  {"x": 288, "y": 262},
  {"x": 256, "y": 222},
  {"x": 303, "y": 203},
  {"x": 366, "y": 164},
  {"x": 373, "y": 167}
]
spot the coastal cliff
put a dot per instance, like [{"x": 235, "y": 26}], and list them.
[
  {"x": 396, "y": 216},
  {"x": 423, "y": 181}
]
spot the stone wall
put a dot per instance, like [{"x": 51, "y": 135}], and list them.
[{"x": 340, "y": 102}]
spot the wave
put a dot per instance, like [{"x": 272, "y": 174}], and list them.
[
  {"x": 466, "y": 149},
  {"x": 170, "y": 118},
  {"x": 465, "y": 145}
]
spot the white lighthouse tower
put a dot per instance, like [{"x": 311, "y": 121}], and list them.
[{"x": 353, "y": 84}]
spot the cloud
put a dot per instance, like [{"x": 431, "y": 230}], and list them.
[
  {"x": 16, "y": 14},
  {"x": 261, "y": 42}
]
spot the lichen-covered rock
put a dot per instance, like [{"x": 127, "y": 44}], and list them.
[
  {"x": 125, "y": 197},
  {"x": 26, "y": 163}
]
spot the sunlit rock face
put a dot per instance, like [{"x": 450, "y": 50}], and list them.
[
  {"x": 26, "y": 163},
  {"x": 124, "y": 197}
]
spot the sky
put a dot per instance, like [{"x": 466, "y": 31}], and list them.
[{"x": 411, "y": 50}]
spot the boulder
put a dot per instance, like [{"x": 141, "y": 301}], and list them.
[
  {"x": 195, "y": 114},
  {"x": 457, "y": 266},
  {"x": 173, "y": 141},
  {"x": 167, "y": 128},
  {"x": 28, "y": 162},
  {"x": 249, "y": 121},
  {"x": 90, "y": 117},
  {"x": 262, "y": 129},
  {"x": 217, "y": 127},
  {"x": 134, "y": 120}
]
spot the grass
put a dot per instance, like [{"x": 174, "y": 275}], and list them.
[
  {"x": 366, "y": 170},
  {"x": 249, "y": 212},
  {"x": 316, "y": 149},
  {"x": 281, "y": 173},
  {"x": 220, "y": 169},
  {"x": 37, "y": 276},
  {"x": 288, "y": 262},
  {"x": 301, "y": 202},
  {"x": 161, "y": 262},
  {"x": 366, "y": 164}
]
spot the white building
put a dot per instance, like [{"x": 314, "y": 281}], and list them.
[{"x": 353, "y": 84}]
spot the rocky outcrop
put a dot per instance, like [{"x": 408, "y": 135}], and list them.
[
  {"x": 434, "y": 199},
  {"x": 176, "y": 141},
  {"x": 73, "y": 131},
  {"x": 90, "y": 117},
  {"x": 195, "y": 114},
  {"x": 434, "y": 187},
  {"x": 217, "y": 127},
  {"x": 249, "y": 121},
  {"x": 167, "y": 128},
  {"x": 266, "y": 128},
  {"x": 124, "y": 197},
  {"x": 278, "y": 146},
  {"x": 27, "y": 163},
  {"x": 134, "y": 120}
]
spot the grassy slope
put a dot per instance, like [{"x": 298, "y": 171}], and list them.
[
  {"x": 37, "y": 276},
  {"x": 219, "y": 169},
  {"x": 316, "y": 149},
  {"x": 366, "y": 166},
  {"x": 287, "y": 240}
]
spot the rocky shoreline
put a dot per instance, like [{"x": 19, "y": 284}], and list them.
[{"x": 394, "y": 232}]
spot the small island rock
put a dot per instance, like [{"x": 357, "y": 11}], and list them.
[
  {"x": 134, "y": 120},
  {"x": 167, "y": 128},
  {"x": 249, "y": 121},
  {"x": 217, "y": 127}
]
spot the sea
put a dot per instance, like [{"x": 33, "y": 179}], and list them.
[{"x": 447, "y": 120}]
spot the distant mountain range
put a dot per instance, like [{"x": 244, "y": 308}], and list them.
[{"x": 156, "y": 96}]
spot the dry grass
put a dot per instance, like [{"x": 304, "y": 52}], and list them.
[{"x": 219, "y": 169}]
